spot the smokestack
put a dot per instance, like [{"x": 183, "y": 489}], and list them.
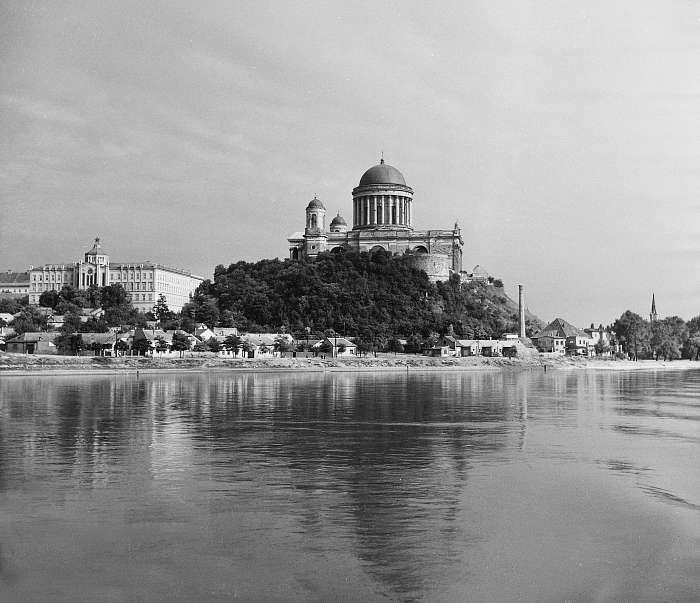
[{"x": 521, "y": 309}]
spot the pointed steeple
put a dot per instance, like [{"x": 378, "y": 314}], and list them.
[{"x": 653, "y": 316}]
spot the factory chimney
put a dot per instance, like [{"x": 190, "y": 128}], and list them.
[{"x": 521, "y": 311}]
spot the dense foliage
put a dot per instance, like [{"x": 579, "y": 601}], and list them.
[
  {"x": 667, "y": 339},
  {"x": 375, "y": 297}
]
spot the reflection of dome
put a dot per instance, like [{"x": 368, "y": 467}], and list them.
[
  {"x": 338, "y": 221},
  {"x": 382, "y": 174},
  {"x": 315, "y": 204}
]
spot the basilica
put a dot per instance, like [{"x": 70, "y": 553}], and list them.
[{"x": 382, "y": 218}]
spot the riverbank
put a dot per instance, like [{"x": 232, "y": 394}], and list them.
[{"x": 21, "y": 364}]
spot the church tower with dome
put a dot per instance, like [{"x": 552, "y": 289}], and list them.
[{"x": 382, "y": 218}]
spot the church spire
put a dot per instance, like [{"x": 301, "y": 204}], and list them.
[{"x": 653, "y": 316}]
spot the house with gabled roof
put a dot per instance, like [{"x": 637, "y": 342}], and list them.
[
  {"x": 33, "y": 343},
  {"x": 263, "y": 344},
  {"x": 99, "y": 344},
  {"x": 341, "y": 346},
  {"x": 562, "y": 337}
]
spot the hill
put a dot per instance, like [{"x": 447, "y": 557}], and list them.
[{"x": 375, "y": 297}]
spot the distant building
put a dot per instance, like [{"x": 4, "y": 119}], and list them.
[
  {"x": 563, "y": 337},
  {"x": 144, "y": 281},
  {"x": 14, "y": 283},
  {"x": 478, "y": 274},
  {"x": 382, "y": 218},
  {"x": 449, "y": 345}
]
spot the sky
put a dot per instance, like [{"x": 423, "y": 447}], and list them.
[{"x": 563, "y": 137}]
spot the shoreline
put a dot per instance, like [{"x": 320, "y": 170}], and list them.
[{"x": 48, "y": 365}]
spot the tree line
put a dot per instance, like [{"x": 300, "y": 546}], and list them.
[{"x": 668, "y": 339}]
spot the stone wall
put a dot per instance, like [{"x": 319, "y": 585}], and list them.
[{"x": 435, "y": 265}]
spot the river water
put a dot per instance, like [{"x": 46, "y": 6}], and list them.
[{"x": 438, "y": 486}]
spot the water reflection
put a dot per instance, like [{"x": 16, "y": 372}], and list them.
[{"x": 388, "y": 468}]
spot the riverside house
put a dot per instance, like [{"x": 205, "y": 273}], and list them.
[{"x": 33, "y": 343}]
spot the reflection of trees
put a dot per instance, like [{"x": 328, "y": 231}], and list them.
[
  {"x": 377, "y": 460},
  {"x": 79, "y": 427},
  {"x": 383, "y": 456}
]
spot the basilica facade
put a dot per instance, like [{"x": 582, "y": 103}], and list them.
[{"x": 382, "y": 218}]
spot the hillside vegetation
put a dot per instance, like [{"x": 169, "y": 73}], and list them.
[{"x": 375, "y": 297}]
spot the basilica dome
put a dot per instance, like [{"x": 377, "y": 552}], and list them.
[
  {"x": 382, "y": 174},
  {"x": 315, "y": 204},
  {"x": 338, "y": 221}
]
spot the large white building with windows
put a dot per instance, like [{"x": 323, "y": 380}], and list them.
[
  {"x": 382, "y": 218},
  {"x": 144, "y": 281}
]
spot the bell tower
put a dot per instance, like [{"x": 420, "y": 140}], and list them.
[{"x": 315, "y": 235}]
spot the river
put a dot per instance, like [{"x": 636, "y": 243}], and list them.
[{"x": 436, "y": 486}]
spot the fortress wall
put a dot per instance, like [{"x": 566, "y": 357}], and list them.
[{"x": 435, "y": 265}]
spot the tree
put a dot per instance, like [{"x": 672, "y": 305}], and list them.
[
  {"x": 69, "y": 343},
  {"x": 71, "y": 323},
  {"x": 363, "y": 346},
  {"x": 180, "y": 343},
  {"x": 12, "y": 306},
  {"x": 413, "y": 345},
  {"x": 141, "y": 345},
  {"x": 282, "y": 344},
  {"x": 601, "y": 348},
  {"x": 395, "y": 346},
  {"x": 94, "y": 325},
  {"x": 691, "y": 349},
  {"x": 202, "y": 309},
  {"x": 161, "y": 310},
  {"x": 326, "y": 347},
  {"x": 93, "y": 296},
  {"x": 114, "y": 296},
  {"x": 633, "y": 333},
  {"x": 668, "y": 337},
  {"x": 213, "y": 345},
  {"x": 29, "y": 320},
  {"x": 233, "y": 343},
  {"x": 161, "y": 345},
  {"x": 49, "y": 299}
]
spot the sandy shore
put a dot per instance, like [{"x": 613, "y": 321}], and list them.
[{"x": 20, "y": 364}]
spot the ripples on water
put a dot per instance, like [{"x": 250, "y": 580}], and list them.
[{"x": 436, "y": 486}]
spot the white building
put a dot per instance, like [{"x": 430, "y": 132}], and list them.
[{"x": 144, "y": 281}]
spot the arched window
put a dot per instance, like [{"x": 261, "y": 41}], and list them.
[{"x": 313, "y": 220}]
